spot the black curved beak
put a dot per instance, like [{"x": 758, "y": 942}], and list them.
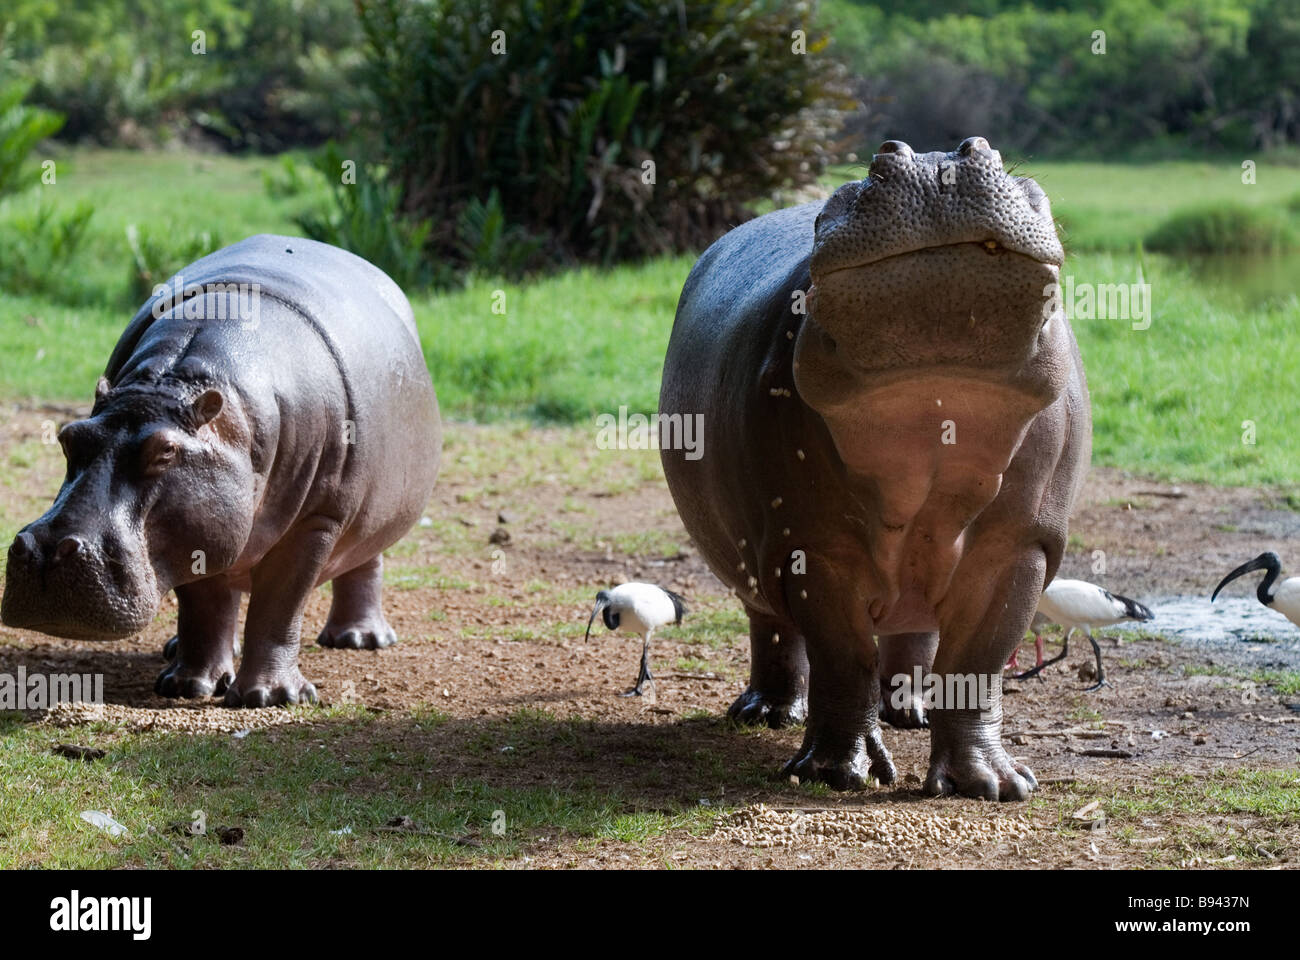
[
  {"x": 601, "y": 604},
  {"x": 1265, "y": 561}
]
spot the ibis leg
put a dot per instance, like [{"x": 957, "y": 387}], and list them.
[
  {"x": 1065, "y": 648},
  {"x": 644, "y": 673},
  {"x": 1101, "y": 673}
]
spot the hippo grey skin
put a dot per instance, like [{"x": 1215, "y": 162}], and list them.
[
  {"x": 290, "y": 449},
  {"x": 925, "y": 323}
]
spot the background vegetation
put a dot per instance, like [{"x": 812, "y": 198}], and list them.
[{"x": 472, "y": 171}]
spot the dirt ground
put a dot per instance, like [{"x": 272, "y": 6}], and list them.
[{"x": 492, "y": 628}]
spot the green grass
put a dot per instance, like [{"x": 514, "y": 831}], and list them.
[
  {"x": 1197, "y": 817},
  {"x": 1284, "y": 682},
  {"x": 1168, "y": 401},
  {"x": 292, "y": 789}
]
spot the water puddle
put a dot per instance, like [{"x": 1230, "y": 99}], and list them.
[{"x": 1227, "y": 620}]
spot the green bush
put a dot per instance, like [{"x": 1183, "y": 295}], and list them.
[
  {"x": 273, "y": 73},
  {"x": 38, "y": 251},
  {"x": 1224, "y": 228},
  {"x": 365, "y": 218},
  {"x": 590, "y": 98},
  {"x": 22, "y": 127},
  {"x": 158, "y": 255}
]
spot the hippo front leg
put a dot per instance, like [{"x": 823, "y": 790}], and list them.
[
  {"x": 207, "y": 622},
  {"x": 281, "y": 583},
  {"x": 989, "y": 620},
  {"x": 777, "y": 694},
  {"x": 842, "y": 746}
]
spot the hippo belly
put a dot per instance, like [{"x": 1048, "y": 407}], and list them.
[
  {"x": 897, "y": 430},
  {"x": 266, "y": 422}
]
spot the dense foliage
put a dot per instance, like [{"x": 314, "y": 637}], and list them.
[
  {"x": 272, "y": 73},
  {"x": 608, "y": 129},
  {"x": 1175, "y": 74}
]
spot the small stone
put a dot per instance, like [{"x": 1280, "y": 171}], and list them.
[
  {"x": 499, "y": 536},
  {"x": 230, "y": 836}
]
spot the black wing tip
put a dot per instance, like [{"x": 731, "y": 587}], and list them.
[
  {"x": 1132, "y": 609},
  {"x": 679, "y": 605}
]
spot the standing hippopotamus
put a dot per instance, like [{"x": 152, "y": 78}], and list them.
[
  {"x": 266, "y": 424},
  {"x": 897, "y": 460}
]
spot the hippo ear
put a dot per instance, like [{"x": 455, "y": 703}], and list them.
[
  {"x": 102, "y": 388},
  {"x": 207, "y": 406}
]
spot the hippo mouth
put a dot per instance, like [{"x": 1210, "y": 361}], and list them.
[
  {"x": 85, "y": 595},
  {"x": 990, "y": 247}
]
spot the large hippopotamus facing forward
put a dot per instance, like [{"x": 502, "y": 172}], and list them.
[
  {"x": 265, "y": 424},
  {"x": 897, "y": 460}
]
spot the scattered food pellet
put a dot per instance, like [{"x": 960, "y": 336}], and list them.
[
  {"x": 894, "y": 829},
  {"x": 178, "y": 719}
]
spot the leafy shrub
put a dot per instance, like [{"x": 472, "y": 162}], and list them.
[
  {"x": 22, "y": 127},
  {"x": 588, "y": 100},
  {"x": 488, "y": 245},
  {"x": 1224, "y": 228},
  {"x": 274, "y": 73},
  {"x": 365, "y": 217},
  {"x": 156, "y": 256},
  {"x": 38, "y": 252}
]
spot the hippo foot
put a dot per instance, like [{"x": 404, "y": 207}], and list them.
[
  {"x": 839, "y": 767},
  {"x": 275, "y": 690},
  {"x": 981, "y": 770},
  {"x": 369, "y": 635},
  {"x": 910, "y": 716},
  {"x": 755, "y": 708},
  {"x": 174, "y": 644},
  {"x": 180, "y": 680}
]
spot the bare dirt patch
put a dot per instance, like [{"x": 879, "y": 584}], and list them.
[{"x": 490, "y": 595}]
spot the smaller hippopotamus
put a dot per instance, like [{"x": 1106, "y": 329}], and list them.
[{"x": 266, "y": 423}]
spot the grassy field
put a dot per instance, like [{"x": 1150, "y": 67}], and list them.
[{"x": 1169, "y": 400}]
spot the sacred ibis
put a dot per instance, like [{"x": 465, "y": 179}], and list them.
[
  {"x": 640, "y": 607},
  {"x": 1079, "y": 605},
  {"x": 1283, "y": 597}
]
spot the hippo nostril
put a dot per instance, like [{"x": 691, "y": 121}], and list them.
[
  {"x": 895, "y": 146},
  {"x": 68, "y": 547},
  {"x": 24, "y": 546},
  {"x": 971, "y": 144}
]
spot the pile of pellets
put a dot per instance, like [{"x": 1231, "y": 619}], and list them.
[
  {"x": 884, "y": 829},
  {"x": 179, "y": 719}
]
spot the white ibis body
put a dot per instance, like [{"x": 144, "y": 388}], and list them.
[
  {"x": 1079, "y": 605},
  {"x": 642, "y": 608},
  {"x": 1283, "y": 597}
]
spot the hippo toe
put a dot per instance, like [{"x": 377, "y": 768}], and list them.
[{"x": 271, "y": 689}]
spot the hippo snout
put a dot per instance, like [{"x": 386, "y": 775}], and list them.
[{"x": 66, "y": 585}]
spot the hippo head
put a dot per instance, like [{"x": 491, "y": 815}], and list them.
[
  {"x": 155, "y": 495},
  {"x": 932, "y": 284}
]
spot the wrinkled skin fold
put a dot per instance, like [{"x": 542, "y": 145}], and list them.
[{"x": 897, "y": 425}]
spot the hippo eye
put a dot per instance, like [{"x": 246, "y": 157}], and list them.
[{"x": 159, "y": 455}]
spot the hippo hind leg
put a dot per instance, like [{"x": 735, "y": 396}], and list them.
[
  {"x": 203, "y": 650},
  {"x": 901, "y": 705},
  {"x": 356, "y": 620},
  {"x": 777, "y": 694}
]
